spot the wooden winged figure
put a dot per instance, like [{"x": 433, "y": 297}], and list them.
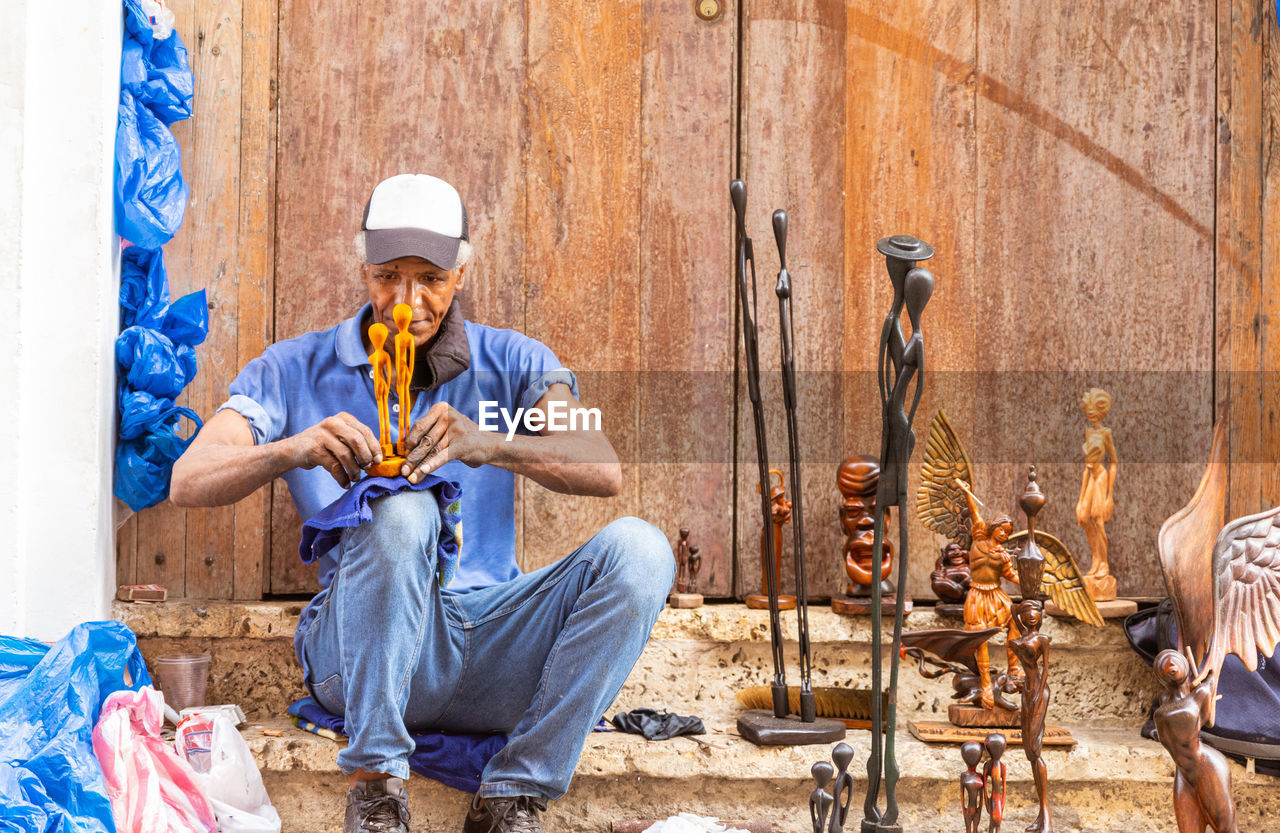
[
  {"x": 947, "y": 505},
  {"x": 1224, "y": 586}
]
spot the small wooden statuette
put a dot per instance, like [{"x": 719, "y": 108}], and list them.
[
  {"x": 688, "y": 562},
  {"x": 392, "y": 453},
  {"x": 993, "y": 780},
  {"x": 780, "y": 514},
  {"x": 971, "y": 786},
  {"x": 1097, "y": 502},
  {"x": 942, "y": 508},
  {"x": 858, "y": 479}
]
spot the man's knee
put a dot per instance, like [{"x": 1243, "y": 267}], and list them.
[
  {"x": 405, "y": 526},
  {"x": 640, "y": 557}
]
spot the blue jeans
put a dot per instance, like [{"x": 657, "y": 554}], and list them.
[{"x": 539, "y": 657}]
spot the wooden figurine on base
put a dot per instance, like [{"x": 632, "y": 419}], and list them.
[
  {"x": 858, "y": 480},
  {"x": 1224, "y": 586},
  {"x": 780, "y": 514},
  {"x": 392, "y": 453},
  {"x": 1032, "y": 650},
  {"x": 993, "y": 780},
  {"x": 688, "y": 562},
  {"x": 945, "y": 512},
  {"x": 1097, "y": 502},
  {"x": 971, "y": 786}
]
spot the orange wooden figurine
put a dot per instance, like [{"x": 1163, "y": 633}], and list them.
[{"x": 392, "y": 453}]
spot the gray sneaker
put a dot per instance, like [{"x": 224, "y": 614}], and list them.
[
  {"x": 518, "y": 814},
  {"x": 380, "y": 806}
]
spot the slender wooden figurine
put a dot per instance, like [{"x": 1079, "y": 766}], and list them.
[
  {"x": 381, "y": 384},
  {"x": 1097, "y": 489},
  {"x": 820, "y": 800},
  {"x": 841, "y": 787},
  {"x": 858, "y": 480},
  {"x": 901, "y": 366},
  {"x": 993, "y": 780},
  {"x": 1032, "y": 650},
  {"x": 971, "y": 786},
  {"x": 403, "y": 315},
  {"x": 779, "y": 516},
  {"x": 688, "y": 562},
  {"x": 1224, "y": 586}
]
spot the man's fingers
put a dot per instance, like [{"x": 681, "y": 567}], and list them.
[
  {"x": 368, "y": 439},
  {"x": 420, "y": 428},
  {"x": 356, "y": 436},
  {"x": 426, "y": 443},
  {"x": 344, "y": 455},
  {"x": 435, "y": 460},
  {"x": 334, "y": 466}
]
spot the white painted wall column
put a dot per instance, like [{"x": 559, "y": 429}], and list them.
[{"x": 59, "y": 279}]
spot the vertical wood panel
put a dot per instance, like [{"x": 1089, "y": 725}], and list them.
[
  {"x": 1238, "y": 254},
  {"x": 1094, "y": 244},
  {"x": 127, "y": 551},
  {"x": 256, "y": 264},
  {"x": 793, "y": 133},
  {"x": 910, "y": 167},
  {"x": 686, "y": 296},
  {"x": 582, "y": 228},
  {"x": 210, "y": 233},
  {"x": 1271, "y": 258}
]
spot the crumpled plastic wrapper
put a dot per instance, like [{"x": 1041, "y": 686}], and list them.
[{"x": 691, "y": 823}]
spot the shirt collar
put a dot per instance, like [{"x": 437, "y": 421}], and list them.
[{"x": 349, "y": 345}]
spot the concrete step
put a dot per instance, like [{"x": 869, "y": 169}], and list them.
[
  {"x": 695, "y": 662},
  {"x": 1113, "y": 781}
]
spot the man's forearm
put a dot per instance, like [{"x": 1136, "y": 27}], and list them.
[
  {"x": 575, "y": 464},
  {"x": 221, "y": 474}
]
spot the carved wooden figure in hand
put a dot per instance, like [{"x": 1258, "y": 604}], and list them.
[
  {"x": 971, "y": 786},
  {"x": 1224, "y": 587},
  {"x": 779, "y": 514},
  {"x": 1097, "y": 489},
  {"x": 381, "y": 384},
  {"x": 858, "y": 480},
  {"x": 1032, "y": 650},
  {"x": 403, "y": 315},
  {"x": 392, "y": 453},
  {"x": 993, "y": 780}
]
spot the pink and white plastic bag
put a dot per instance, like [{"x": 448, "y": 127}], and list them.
[{"x": 152, "y": 790}]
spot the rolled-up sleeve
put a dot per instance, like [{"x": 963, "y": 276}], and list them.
[{"x": 258, "y": 395}]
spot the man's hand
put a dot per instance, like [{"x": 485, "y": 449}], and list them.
[
  {"x": 341, "y": 444},
  {"x": 443, "y": 435}
]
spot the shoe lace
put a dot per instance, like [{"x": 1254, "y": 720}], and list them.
[
  {"x": 383, "y": 813},
  {"x": 518, "y": 815}
]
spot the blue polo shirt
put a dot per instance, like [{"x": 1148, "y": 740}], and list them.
[{"x": 301, "y": 381}]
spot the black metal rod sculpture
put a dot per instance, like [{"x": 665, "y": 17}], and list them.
[
  {"x": 901, "y": 363},
  {"x": 750, "y": 343},
  {"x": 786, "y": 326}
]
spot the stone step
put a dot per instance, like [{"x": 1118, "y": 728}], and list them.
[
  {"x": 1113, "y": 781},
  {"x": 695, "y": 662}
]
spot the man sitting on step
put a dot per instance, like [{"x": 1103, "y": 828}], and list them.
[{"x": 539, "y": 656}]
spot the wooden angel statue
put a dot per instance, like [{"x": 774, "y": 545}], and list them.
[
  {"x": 1097, "y": 489},
  {"x": 1224, "y": 586},
  {"x": 987, "y": 605}
]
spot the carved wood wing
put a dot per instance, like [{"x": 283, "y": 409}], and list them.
[
  {"x": 1186, "y": 545},
  {"x": 1246, "y": 579},
  {"x": 1061, "y": 578},
  {"x": 940, "y": 505}
]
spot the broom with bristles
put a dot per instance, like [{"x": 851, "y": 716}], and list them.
[{"x": 851, "y": 706}]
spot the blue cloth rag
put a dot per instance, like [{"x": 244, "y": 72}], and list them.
[
  {"x": 324, "y": 529},
  {"x": 455, "y": 760}
]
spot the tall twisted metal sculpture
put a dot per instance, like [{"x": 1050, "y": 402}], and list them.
[{"x": 900, "y": 374}]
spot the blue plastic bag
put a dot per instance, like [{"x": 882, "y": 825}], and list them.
[
  {"x": 144, "y": 288},
  {"x": 50, "y": 781},
  {"x": 150, "y": 362},
  {"x": 144, "y": 465},
  {"x": 154, "y": 71},
  {"x": 150, "y": 193}
]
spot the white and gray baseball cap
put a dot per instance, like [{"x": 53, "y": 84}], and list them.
[{"x": 414, "y": 215}]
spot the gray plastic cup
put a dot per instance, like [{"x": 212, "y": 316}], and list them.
[{"x": 183, "y": 679}]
